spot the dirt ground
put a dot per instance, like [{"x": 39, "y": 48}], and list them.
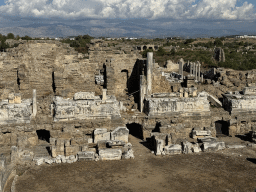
[{"x": 227, "y": 170}]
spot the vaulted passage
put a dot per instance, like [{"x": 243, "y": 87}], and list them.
[
  {"x": 43, "y": 135},
  {"x": 135, "y": 130},
  {"x": 221, "y": 128}
]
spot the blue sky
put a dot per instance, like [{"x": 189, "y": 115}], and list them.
[{"x": 165, "y": 14}]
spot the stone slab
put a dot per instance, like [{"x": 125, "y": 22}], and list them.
[
  {"x": 86, "y": 155},
  {"x": 110, "y": 154}
]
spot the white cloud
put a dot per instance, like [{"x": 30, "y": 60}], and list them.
[{"x": 150, "y": 9}]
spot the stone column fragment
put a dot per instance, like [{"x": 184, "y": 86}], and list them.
[
  {"x": 34, "y": 103},
  {"x": 104, "y": 94},
  {"x": 149, "y": 72}
]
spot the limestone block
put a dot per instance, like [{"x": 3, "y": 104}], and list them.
[
  {"x": 22, "y": 141},
  {"x": 114, "y": 144},
  {"x": 14, "y": 98},
  {"x": 128, "y": 154},
  {"x": 121, "y": 134},
  {"x": 159, "y": 136},
  {"x": 49, "y": 160},
  {"x": 67, "y": 143},
  {"x": 86, "y": 155},
  {"x": 33, "y": 140},
  {"x": 110, "y": 154},
  {"x": 84, "y": 148},
  {"x": 101, "y": 144},
  {"x": 60, "y": 147},
  {"x": 84, "y": 95},
  {"x": 60, "y": 142},
  {"x": 213, "y": 146},
  {"x": 196, "y": 148},
  {"x": 71, "y": 159},
  {"x": 39, "y": 161},
  {"x": 187, "y": 147},
  {"x": 2, "y": 162},
  {"x": 235, "y": 146},
  {"x": 232, "y": 130},
  {"x": 54, "y": 151},
  {"x": 101, "y": 134},
  {"x": 71, "y": 150},
  {"x": 52, "y": 141},
  {"x": 173, "y": 149},
  {"x": 200, "y": 133},
  {"x": 159, "y": 146}
]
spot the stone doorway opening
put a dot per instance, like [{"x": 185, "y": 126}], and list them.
[
  {"x": 221, "y": 128},
  {"x": 136, "y": 130},
  {"x": 43, "y": 135}
]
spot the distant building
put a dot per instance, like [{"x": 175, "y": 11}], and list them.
[{"x": 246, "y": 37}]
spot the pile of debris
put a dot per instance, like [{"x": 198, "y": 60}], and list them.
[
  {"x": 163, "y": 145},
  {"x": 103, "y": 146}
]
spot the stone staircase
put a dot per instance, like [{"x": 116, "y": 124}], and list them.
[{"x": 41, "y": 151}]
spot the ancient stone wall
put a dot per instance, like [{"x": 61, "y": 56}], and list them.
[
  {"x": 50, "y": 67},
  {"x": 158, "y": 106}
]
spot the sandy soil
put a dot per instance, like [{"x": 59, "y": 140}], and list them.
[{"x": 226, "y": 170}]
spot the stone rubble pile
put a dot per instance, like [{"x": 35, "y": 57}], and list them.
[
  {"x": 163, "y": 145},
  {"x": 103, "y": 146}
]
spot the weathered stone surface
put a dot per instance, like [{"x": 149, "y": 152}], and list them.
[
  {"x": 15, "y": 113},
  {"x": 159, "y": 106},
  {"x": 213, "y": 146},
  {"x": 200, "y": 133},
  {"x": 84, "y": 96},
  {"x": 128, "y": 154},
  {"x": 110, "y": 154},
  {"x": 120, "y": 134},
  {"x": 66, "y": 109},
  {"x": 159, "y": 146},
  {"x": 101, "y": 134},
  {"x": 187, "y": 147},
  {"x": 173, "y": 149},
  {"x": 235, "y": 146},
  {"x": 86, "y": 155},
  {"x": 39, "y": 161},
  {"x": 237, "y": 103}
]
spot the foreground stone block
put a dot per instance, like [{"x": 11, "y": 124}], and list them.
[
  {"x": 213, "y": 146},
  {"x": 236, "y": 146},
  {"x": 39, "y": 161},
  {"x": 187, "y": 147},
  {"x": 110, "y": 154},
  {"x": 173, "y": 149},
  {"x": 121, "y": 134},
  {"x": 128, "y": 154},
  {"x": 54, "y": 151},
  {"x": 71, "y": 150},
  {"x": 200, "y": 134},
  {"x": 101, "y": 134},
  {"x": 86, "y": 155},
  {"x": 84, "y": 95},
  {"x": 159, "y": 144}
]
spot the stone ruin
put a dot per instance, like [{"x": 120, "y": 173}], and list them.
[{"x": 60, "y": 106}]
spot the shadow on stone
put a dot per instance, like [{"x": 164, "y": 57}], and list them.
[{"x": 253, "y": 160}]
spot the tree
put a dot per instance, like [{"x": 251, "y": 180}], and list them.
[
  {"x": 160, "y": 52},
  {"x": 189, "y": 41},
  {"x": 218, "y": 42},
  {"x": 10, "y": 36},
  {"x": 144, "y": 53}
]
